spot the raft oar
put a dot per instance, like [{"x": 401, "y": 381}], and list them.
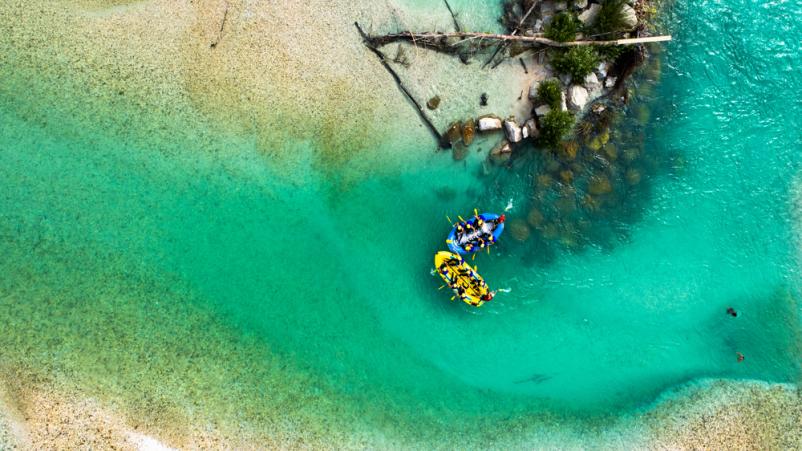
[{"x": 449, "y": 220}]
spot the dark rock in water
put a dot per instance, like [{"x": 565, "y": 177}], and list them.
[
  {"x": 454, "y": 133},
  {"x": 433, "y": 103},
  {"x": 468, "y": 131},
  {"x": 566, "y": 176},
  {"x": 459, "y": 151},
  {"x": 483, "y": 99}
]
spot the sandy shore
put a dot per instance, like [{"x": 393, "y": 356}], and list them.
[{"x": 714, "y": 415}]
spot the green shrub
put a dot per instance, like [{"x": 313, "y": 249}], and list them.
[
  {"x": 576, "y": 62},
  {"x": 610, "y": 18},
  {"x": 550, "y": 93},
  {"x": 562, "y": 28},
  {"x": 554, "y": 125}
]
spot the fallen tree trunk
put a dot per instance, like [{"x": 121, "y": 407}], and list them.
[{"x": 378, "y": 41}]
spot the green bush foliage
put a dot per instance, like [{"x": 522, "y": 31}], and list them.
[
  {"x": 576, "y": 62},
  {"x": 554, "y": 125},
  {"x": 610, "y": 19},
  {"x": 550, "y": 93},
  {"x": 562, "y": 28}
]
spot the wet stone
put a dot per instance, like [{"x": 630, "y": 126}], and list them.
[
  {"x": 468, "y": 132},
  {"x": 433, "y": 103},
  {"x": 454, "y": 133}
]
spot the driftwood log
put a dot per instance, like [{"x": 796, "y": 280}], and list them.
[{"x": 436, "y": 39}]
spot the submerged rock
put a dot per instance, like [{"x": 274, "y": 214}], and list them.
[
  {"x": 501, "y": 152},
  {"x": 519, "y": 229},
  {"x": 433, "y": 103},
  {"x": 577, "y": 97},
  {"x": 459, "y": 151},
  {"x": 468, "y": 132},
  {"x": 632, "y": 176},
  {"x": 489, "y": 122},
  {"x": 588, "y": 16},
  {"x": 535, "y": 217},
  {"x": 599, "y": 184},
  {"x": 483, "y": 99},
  {"x": 513, "y": 130}
]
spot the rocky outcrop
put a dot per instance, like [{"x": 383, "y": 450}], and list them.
[
  {"x": 591, "y": 82},
  {"x": 563, "y": 105},
  {"x": 489, "y": 123},
  {"x": 513, "y": 130},
  {"x": 577, "y": 97},
  {"x": 589, "y": 15},
  {"x": 629, "y": 16},
  {"x": 610, "y": 82}
]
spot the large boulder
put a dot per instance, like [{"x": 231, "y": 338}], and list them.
[
  {"x": 610, "y": 82},
  {"x": 591, "y": 82},
  {"x": 629, "y": 16},
  {"x": 588, "y": 16},
  {"x": 454, "y": 132},
  {"x": 468, "y": 132},
  {"x": 577, "y": 97},
  {"x": 530, "y": 130},
  {"x": 513, "y": 130},
  {"x": 488, "y": 123},
  {"x": 542, "y": 110},
  {"x": 580, "y": 4}
]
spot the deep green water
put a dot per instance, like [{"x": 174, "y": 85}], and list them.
[{"x": 336, "y": 281}]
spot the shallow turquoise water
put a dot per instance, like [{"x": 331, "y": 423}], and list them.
[{"x": 337, "y": 280}]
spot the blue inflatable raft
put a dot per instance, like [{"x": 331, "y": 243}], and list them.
[{"x": 468, "y": 237}]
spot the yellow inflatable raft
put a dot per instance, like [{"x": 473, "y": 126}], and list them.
[{"x": 463, "y": 280}]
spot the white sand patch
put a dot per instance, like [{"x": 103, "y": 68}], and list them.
[{"x": 147, "y": 443}]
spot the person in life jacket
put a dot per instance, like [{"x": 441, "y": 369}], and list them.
[{"x": 488, "y": 296}]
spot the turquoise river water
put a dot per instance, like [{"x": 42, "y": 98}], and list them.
[{"x": 336, "y": 280}]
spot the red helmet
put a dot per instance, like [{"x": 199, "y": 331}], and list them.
[
  {"x": 488, "y": 296},
  {"x": 501, "y": 218}
]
